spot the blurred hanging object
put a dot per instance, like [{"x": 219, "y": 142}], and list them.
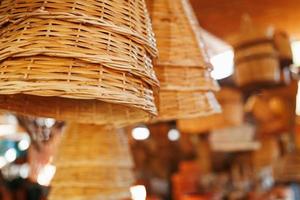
[
  {"x": 233, "y": 114},
  {"x": 182, "y": 67},
  {"x": 93, "y": 162},
  {"x": 80, "y": 63},
  {"x": 262, "y": 57}
]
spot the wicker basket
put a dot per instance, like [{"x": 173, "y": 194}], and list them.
[
  {"x": 58, "y": 38},
  {"x": 93, "y": 162},
  {"x": 124, "y": 17},
  {"x": 182, "y": 67},
  {"x": 186, "y": 104},
  {"x": 81, "y": 111},
  {"x": 232, "y": 114}
]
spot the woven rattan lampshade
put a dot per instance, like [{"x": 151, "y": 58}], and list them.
[
  {"x": 89, "y": 55},
  {"x": 93, "y": 162},
  {"x": 182, "y": 67},
  {"x": 232, "y": 114}
]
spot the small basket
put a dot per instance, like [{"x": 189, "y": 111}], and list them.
[
  {"x": 93, "y": 162},
  {"x": 125, "y": 17}
]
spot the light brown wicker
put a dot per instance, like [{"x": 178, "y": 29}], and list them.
[
  {"x": 178, "y": 35},
  {"x": 232, "y": 114},
  {"x": 185, "y": 78},
  {"x": 81, "y": 111},
  {"x": 71, "y": 78},
  {"x": 185, "y": 104},
  {"x": 52, "y": 37},
  {"x": 93, "y": 162},
  {"x": 122, "y": 16}
]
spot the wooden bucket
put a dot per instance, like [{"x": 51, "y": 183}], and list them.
[{"x": 93, "y": 162}]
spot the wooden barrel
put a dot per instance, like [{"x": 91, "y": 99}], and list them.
[{"x": 93, "y": 162}]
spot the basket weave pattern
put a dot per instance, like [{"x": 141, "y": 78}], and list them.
[
  {"x": 79, "y": 57},
  {"x": 93, "y": 163},
  {"x": 121, "y": 16},
  {"x": 182, "y": 67}
]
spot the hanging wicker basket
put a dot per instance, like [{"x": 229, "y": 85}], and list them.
[
  {"x": 93, "y": 162},
  {"x": 182, "y": 67},
  {"x": 128, "y": 18}
]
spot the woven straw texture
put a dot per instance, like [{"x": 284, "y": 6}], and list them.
[
  {"x": 71, "y": 78},
  {"x": 89, "y": 61},
  {"x": 185, "y": 78},
  {"x": 93, "y": 162},
  {"x": 178, "y": 35},
  {"x": 122, "y": 16},
  {"x": 184, "y": 105},
  {"x": 182, "y": 67},
  {"x": 232, "y": 114},
  {"x": 52, "y": 37},
  {"x": 81, "y": 111}
]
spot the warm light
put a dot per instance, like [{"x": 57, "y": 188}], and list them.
[
  {"x": 7, "y": 129},
  {"x": 140, "y": 133},
  {"x": 24, "y": 144},
  {"x": 3, "y": 162},
  {"x": 138, "y": 192},
  {"x": 298, "y": 100},
  {"x": 173, "y": 134},
  {"x": 10, "y": 155},
  {"x": 223, "y": 65},
  {"x": 49, "y": 122},
  {"x": 24, "y": 171},
  {"x": 46, "y": 174},
  {"x": 296, "y": 52}
]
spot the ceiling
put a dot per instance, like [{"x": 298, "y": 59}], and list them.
[{"x": 222, "y": 17}]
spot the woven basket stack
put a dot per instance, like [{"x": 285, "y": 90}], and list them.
[
  {"x": 183, "y": 67},
  {"x": 82, "y": 60},
  {"x": 232, "y": 114},
  {"x": 261, "y": 57},
  {"x": 93, "y": 163}
]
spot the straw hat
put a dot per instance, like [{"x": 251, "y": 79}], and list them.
[
  {"x": 93, "y": 162},
  {"x": 182, "y": 67}
]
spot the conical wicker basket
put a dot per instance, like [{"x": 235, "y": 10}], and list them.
[
  {"x": 182, "y": 67},
  {"x": 85, "y": 61},
  {"x": 232, "y": 114},
  {"x": 93, "y": 162},
  {"x": 121, "y": 16}
]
